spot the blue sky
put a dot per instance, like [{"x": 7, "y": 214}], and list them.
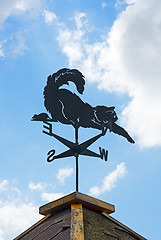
[{"x": 116, "y": 45}]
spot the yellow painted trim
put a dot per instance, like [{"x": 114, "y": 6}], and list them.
[{"x": 77, "y": 227}]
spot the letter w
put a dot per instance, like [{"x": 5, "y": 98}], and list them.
[{"x": 103, "y": 153}]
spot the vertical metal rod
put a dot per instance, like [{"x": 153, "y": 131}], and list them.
[
  {"x": 76, "y": 141},
  {"x": 77, "y": 173}
]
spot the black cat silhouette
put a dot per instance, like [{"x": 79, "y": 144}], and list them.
[{"x": 67, "y": 108}]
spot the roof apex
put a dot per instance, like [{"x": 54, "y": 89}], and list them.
[{"x": 88, "y": 202}]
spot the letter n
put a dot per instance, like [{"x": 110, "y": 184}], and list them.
[{"x": 103, "y": 153}]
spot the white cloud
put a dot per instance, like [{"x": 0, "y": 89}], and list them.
[
  {"x": 70, "y": 40},
  {"x": 63, "y": 173},
  {"x": 127, "y": 61},
  {"x": 12, "y": 220},
  {"x": 16, "y": 190},
  {"x": 13, "y": 208},
  {"x": 14, "y": 45},
  {"x": 16, "y": 7},
  {"x": 80, "y": 20},
  {"x": 38, "y": 186},
  {"x": 49, "y": 17},
  {"x": 51, "y": 196},
  {"x": 120, "y": 3},
  {"x": 135, "y": 37},
  {"x": 104, "y": 4},
  {"x": 3, "y": 185},
  {"x": 2, "y": 234},
  {"x": 110, "y": 180},
  {"x": 18, "y": 46},
  {"x": 17, "y": 210},
  {"x": 1, "y": 51}
]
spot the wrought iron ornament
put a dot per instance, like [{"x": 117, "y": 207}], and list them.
[{"x": 67, "y": 108}]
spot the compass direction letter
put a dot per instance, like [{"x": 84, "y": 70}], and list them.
[
  {"x": 50, "y": 154},
  {"x": 49, "y": 128},
  {"x": 103, "y": 153}
]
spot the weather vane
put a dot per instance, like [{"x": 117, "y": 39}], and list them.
[{"x": 68, "y": 108}]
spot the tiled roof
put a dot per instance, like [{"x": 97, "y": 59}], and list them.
[
  {"x": 78, "y": 217},
  {"x": 56, "y": 227}
]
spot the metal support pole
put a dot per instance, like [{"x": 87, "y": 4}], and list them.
[
  {"x": 76, "y": 157},
  {"x": 77, "y": 173}
]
